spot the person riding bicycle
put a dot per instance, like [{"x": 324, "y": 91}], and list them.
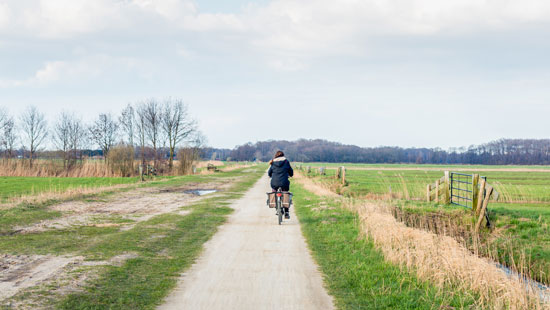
[{"x": 279, "y": 172}]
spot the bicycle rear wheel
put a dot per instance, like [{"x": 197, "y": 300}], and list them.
[{"x": 279, "y": 210}]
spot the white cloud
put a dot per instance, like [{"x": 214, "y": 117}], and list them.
[
  {"x": 4, "y": 15},
  {"x": 82, "y": 69},
  {"x": 287, "y": 34}
]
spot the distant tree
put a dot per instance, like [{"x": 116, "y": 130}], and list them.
[
  {"x": 62, "y": 137},
  {"x": 127, "y": 123},
  {"x": 103, "y": 132},
  {"x": 3, "y": 120},
  {"x": 191, "y": 153},
  {"x": 10, "y": 136},
  {"x": 141, "y": 129},
  {"x": 77, "y": 137},
  {"x": 153, "y": 120},
  {"x": 177, "y": 125},
  {"x": 35, "y": 130}
]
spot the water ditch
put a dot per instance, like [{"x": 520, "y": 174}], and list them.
[{"x": 451, "y": 226}]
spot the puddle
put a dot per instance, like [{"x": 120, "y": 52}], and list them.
[{"x": 201, "y": 192}]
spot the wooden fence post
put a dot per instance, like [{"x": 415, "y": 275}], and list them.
[
  {"x": 343, "y": 175},
  {"x": 141, "y": 172},
  {"x": 428, "y": 190},
  {"x": 338, "y": 173},
  {"x": 475, "y": 192},
  {"x": 481, "y": 198},
  {"x": 484, "y": 207},
  {"x": 308, "y": 169},
  {"x": 437, "y": 191},
  {"x": 447, "y": 188}
]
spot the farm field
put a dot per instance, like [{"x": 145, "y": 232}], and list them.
[
  {"x": 520, "y": 237},
  {"x": 428, "y": 166}
]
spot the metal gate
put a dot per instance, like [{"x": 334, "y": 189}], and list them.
[{"x": 462, "y": 191}]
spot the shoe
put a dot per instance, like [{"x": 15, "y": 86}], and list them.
[{"x": 287, "y": 216}]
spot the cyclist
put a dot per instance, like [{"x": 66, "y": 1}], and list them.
[{"x": 279, "y": 172}]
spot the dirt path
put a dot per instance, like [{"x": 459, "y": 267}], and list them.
[{"x": 253, "y": 263}]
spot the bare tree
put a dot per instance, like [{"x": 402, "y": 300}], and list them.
[
  {"x": 103, "y": 132},
  {"x": 191, "y": 152},
  {"x": 141, "y": 129},
  {"x": 77, "y": 136},
  {"x": 153, "y": 115},
  {"x": 176, "y": 124},
  {"x": 3, "y": 118},
  {"x": 127, "y": 123},
  {"x": 35, "y": 130},
  {"x": 10, "y": 136},
  {"x": 61, "y": 136}
]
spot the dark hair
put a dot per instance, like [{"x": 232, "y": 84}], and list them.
[{"x": 279, "y": 154}]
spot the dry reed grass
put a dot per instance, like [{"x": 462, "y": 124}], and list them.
[
  {"x": 88, "y": 168},
  {"x": 52, "y": 168},
  {"x": 204, "y": 164},
  {"x": 234, "y": 167},
  {"x": 317, "y": 188},
  {"x": 62, "y": 195},
  {"x": 443, "y": 261}
]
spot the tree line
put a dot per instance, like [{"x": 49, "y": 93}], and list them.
[
  {"x": 499, "y": 152},
  {"x": 151, "y": 130}
]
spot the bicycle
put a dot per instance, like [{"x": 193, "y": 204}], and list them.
[{"x": 278, "y": 202}]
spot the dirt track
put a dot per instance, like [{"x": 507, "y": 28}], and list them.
[{"x": 253, "y": 263}]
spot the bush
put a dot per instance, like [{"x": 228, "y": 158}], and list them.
[{"x": 121, "y": 160}]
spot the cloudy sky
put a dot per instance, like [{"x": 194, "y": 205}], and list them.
[{"x": 367, "y": 72}]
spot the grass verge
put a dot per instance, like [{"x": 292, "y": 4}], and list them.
[{"x": 356, "y": 274}]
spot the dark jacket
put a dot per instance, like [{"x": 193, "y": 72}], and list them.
[{"x": 279, "y": 172}]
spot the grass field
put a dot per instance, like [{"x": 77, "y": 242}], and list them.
[
  {"x": 521, "y": 215},
  {"x": 11, "y": 187}
]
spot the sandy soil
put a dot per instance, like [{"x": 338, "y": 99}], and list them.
[
  {"x": 138, "y": 205},
  {"x": 253, "y": 263},
  {"x": 24, "y": 271}
]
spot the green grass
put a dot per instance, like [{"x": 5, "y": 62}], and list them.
[
  {"x": 356, "y": 274},
  {"x": 20, "y": 186},
  {"x": 24, "y": 214},
  {"x": 513, "y": 186}
]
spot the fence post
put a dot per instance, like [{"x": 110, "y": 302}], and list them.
[
  {"x": 141, "y": 172},
  {"x": 447, "y": 188},
  {"x": 308, "y": 169},
  {"x": 437, "y": 190},
  {"x": 481, "y": 197},
  {"x": 343, "y": 175},
  {"x": 475, "y": 192},
  {"x": 428, "y": 190},
  {"x": 484, "y": 207},
  {"x": 194, "y": 169},
  {"x": 337, "y": 175}
]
